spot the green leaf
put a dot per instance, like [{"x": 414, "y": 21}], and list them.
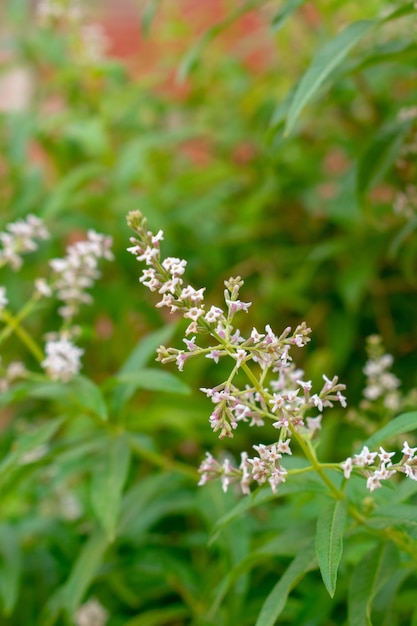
[
  {"x": 10, "y": 567},
  {"x": 284, "y": 13},
  {"x": 406, "y": 9},
  {"x": 161, "y": 617},
  {"x": 394, "y": 515},
  {"x": 108, "y": 481},
  {"x": 304, "y": 484},
  {"x": 29, "y": 442},
  {"x": 62, "y": 196},
  {"x": 80, "y": 392},
  {"x": 144, "y": 350},
  {"x": 325, "y": 61},
  {"x": 148, "y": 14},
  {"x": 193, "y": 55},
  {"x": 87, "y": 394},
  {"x": 277, "y": 598},
  {"x": 380, "y": 155},
  {"x": 404, "y": 423},
  {"x": 329, "y": 541},
  {"x": 153, "y": 379},
  {"x": 84, "y": 570},
  {"x": 370, "y": 574}
]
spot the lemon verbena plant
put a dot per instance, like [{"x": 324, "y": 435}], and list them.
[{"x": 274, "y": 392}]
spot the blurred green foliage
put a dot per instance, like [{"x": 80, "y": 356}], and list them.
[{"x": 298, "y": 175}]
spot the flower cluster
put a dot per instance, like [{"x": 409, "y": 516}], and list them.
[
  {"x": 266, "y": 467},
  {"x": 20, "y": 238},
  {"x": 377, "y": 466},
  {"x": 52, "y": 11},
  {"x": 381, "y": 384},
  {"x": 88, "y": 41},
  {"x": 405, "y": 202},
  {"x": 62, "y": 360},
  {"x": 76, "y": 272},
  {"x": 275, "y": 389},
  {"x": 70, "y": 278}
]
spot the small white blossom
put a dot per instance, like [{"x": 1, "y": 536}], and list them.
[
  {"x": 240, "y": 357},
  {"x": 284, "y": 447},
  {"x": 62, "y": 359},
  {"x": 3, "y": 298},
  {"x": 213, "y": 314},
  {"x": 194, "y": 313},
  {"x": 237, "y": 305},
  {"x": 176, "y": 267},
  {"x": 365, "y": 457},
  {"x": 92, "y": 613},
  {"x": 42, "y": 288},
  {"x": 373, "y": 482},
  {"x": 385, "y": 457},
  {"x": 407, "y": 451},
  {"x": 347, "y": 467}
]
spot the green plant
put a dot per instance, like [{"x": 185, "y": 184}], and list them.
[{"x": 282, "y": 152}]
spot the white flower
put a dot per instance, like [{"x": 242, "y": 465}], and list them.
[
  {"x": 19, "y": 238},
  {"x": 176, "y": 267},
  {"x": 237, "y": 305},
  {"x": 373, "y": 482},
  {"x": 195, "y": 295},
  {"x": 365, "y": 457},
  {"x": 240, "y": 356},
  {"x": 347, "y": 467},
  {"x": 3, "y": 298},
  {"x": 385, "y": 457},
  {"x": 213, "y": 314},
  {"x": 42, "y": 288},
  {"x": 62, "y": 359},
  {"x": 277, "y": 402},
  {"x": 407, "y": 451},
  {"x": 78, "y": 270},
  {"x": 284, "y": 447},
  {"x": 194, "y": 313},
  {"x": 92, "y": 613},
  {"x": 256, "y": 336}
]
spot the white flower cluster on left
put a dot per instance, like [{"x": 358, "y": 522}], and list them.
[{"x": 71, "y": 277}]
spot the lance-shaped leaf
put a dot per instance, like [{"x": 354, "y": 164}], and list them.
[
  {"x": 329, "y": 541},
  {"x": 153, "y": 379},
  {"x": 325, "y": 61},
  {"x": 404, "y": 423},
  {"x": 83, "y": 571},
  {"x": 276, "y": 600},
  {"x": 145, "y": 350},
  {"x": 284, "y": 13},
  {"x": 10, "y": 567},
  {"x": 370, "y": 574},
  {"x": 108, "y": 482}
]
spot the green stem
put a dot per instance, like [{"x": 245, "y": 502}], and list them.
[{"x": 13, "y": 324}]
